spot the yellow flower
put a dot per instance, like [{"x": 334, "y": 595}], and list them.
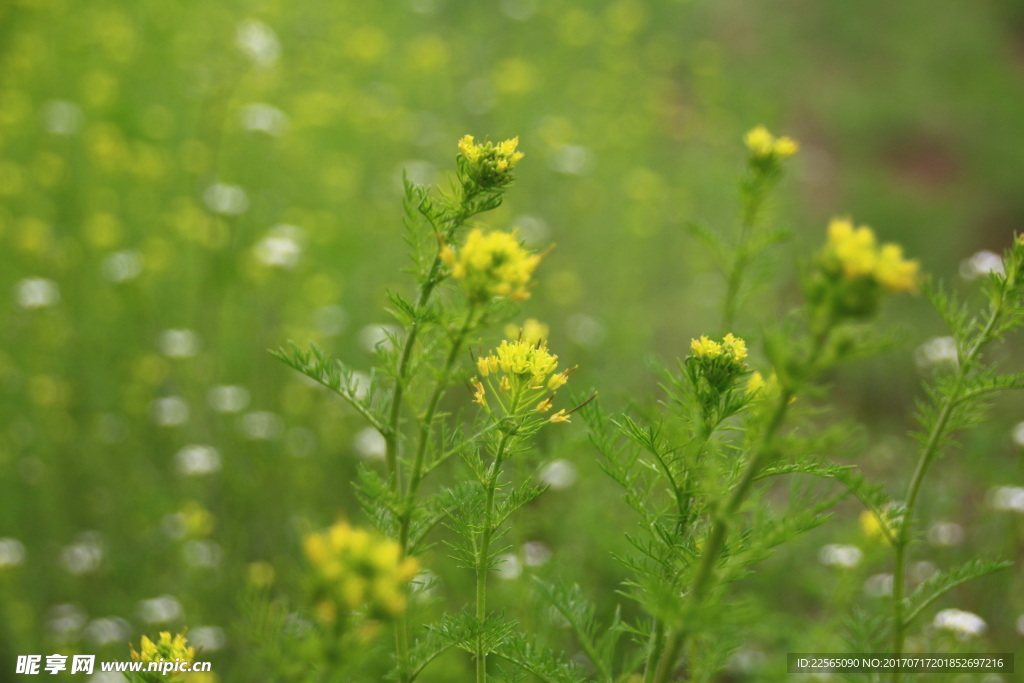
[
  {"x": 705, "y": 348},
  {"x": 355, "y": 567},
  {"x": 166, "y": 648},
  {"x": 732, "y": 348},
  {"x": 492, "y": 265},
  {"x": 858, "y": 255},
  {"x": 735, "y": 347},
  {"x": 479, "y": 393},
  {"x": 488, "y": 164},
  {"x": 894, "y": 272},
  {"x": 759, "y": 141},
  {"x": 764, "y": 145},
  {"x": 560, "y": 416},
  {"x": 528, "y": 370}
]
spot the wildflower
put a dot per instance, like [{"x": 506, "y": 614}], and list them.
[
  {"x": 167, "y": 648},
  {"x": 528, "y": 370},
  {"x": 487, "y": 164},
  {"x": 719, "y": 363},
  {"x": 964, "y": 624},
  {"x": 355, "y": 569},
  {"x": 705, "y": 348},
  {"x": 765, "y": 146},
  {"x": 492, "y": 265},
  {"x": 855, "y": 252}
]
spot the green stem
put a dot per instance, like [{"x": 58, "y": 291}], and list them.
[
  {"x": 654, "y": 650},
  {"x": 482, "y": 560},
  {"x": 702, "y": 580},
  {"x": 931, "y": 448},
  {"x": 760, "y": 186},
  {"x": 427, "y": 420}
]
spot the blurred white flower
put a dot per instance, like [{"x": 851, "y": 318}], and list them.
[
  {"x": 936, "y": 351},
  {"x": 84, "y": 555},
  {"x": 330, "y": 320},
  {"x": 210, "y": 638},
  {"x": 558, "y": 474},
  {"x": 922, "y": 571},
  {"x": 842, "y": 556},
  {"x": 107, "y": 630},
  {"x": 508, "y": 567},
  {"x": 571, "y": 160},
  {"x": 12, "y": 552},
  {"x": 945, "y": 534},
  {"x": 300, "y": 442},
  {"x": 202, "y": 553},
  {"x": 370, "y": 444},
  {"x": 108, "y": 677},
  {"x": 197, "y": 460},
  {"x": 418, "y": 172},
  {"x": 228, "y": 398},
  {"x": 536, "y": 553},
  {"x": 280, "y": 248},
  {"x": 258, "y": 41},
  {"x": 532, "y": 229},
  {"x": 174, "y": 525},
  {"x": 423, "y": 584},
  {"x": 36, "y": 292},
  {"x": 520, "y": 10},
  {"x": 65, "y": 620},
  {"x": 878, "y": 586},
  {"x": 261, "y": 425},
  {"x": 169, "y": 411},
  {"x": 1006, "y": 498},
  {"x": 584, "y": 330},
  {"x": 263, "y": 118},
  {"x": 963, "y": 624},
  {"x": 479, "y": 96},
  {"x": 160, "y": 610},
  {"x": 122, "y": 266},
  {"x": 374, "y": 335},
  {"x": 225, "y": 199},
  {"x": 982, "y": 263},
  {"x": 1018, "y": 434},
  {"x": 179, "y": 343},
  {"x": 1020, "y": 624},
  {"x": 61, "y": 117}
]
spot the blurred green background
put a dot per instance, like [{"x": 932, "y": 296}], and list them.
[{"x": 184, "y": 185}]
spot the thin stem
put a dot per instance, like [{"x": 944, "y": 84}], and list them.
[
  {"x": 756, "y": 194},
  {"x": 654, "y": 650},
  {"x": 702, "y": 580},
  {"x": 483, "y": 556},
  {"x": 427, "y": 419},
  {"x": 931, "y": 448}
]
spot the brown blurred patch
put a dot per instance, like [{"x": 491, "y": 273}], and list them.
[{"x": 922, "y": 161}]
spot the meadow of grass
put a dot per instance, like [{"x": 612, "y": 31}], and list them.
[{"x": 184, "y": 186}]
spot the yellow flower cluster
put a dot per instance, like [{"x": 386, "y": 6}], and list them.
[
  {"x": 527, "y": 370},
  {"x": 732, "y": 348},
  {"x": 167, "y": 648},
  {"x": 764, "y": 145},
  {"x": 358, "y": 568},
  {"x": 492, "y": 264},
  {"x": 490, "y": 164},
  {"x": 858, "y": 255}
]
